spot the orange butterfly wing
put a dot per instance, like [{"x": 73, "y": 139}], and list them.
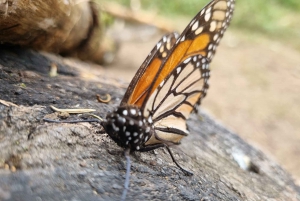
[
  {"x": 142, "y": 80},
  {"x": 201, "y": 36}
]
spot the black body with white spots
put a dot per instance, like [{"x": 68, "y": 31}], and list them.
[{"x": 128, "y": 128}]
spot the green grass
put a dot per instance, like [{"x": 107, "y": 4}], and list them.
[{"x": 275, "y": 18}]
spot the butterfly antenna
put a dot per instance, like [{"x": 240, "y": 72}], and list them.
[
  {"x": 128, "y": 165},
  {"x": 186, "y": 172}
]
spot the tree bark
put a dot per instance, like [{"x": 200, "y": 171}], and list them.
[{"x": 47, "y": 161}]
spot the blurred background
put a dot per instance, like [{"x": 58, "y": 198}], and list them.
[{"x": 255, "y": 83}]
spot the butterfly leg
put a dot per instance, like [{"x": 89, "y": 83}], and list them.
[
  {"x": 186, "y": 172},
  {"x": 151, "y": 147}
]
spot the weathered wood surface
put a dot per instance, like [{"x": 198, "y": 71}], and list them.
[
  {"x": 70, "y": 27},
  {"x": 44, "y": 161}
]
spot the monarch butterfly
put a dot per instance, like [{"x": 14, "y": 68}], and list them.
[{"x": 169, "y": 86}]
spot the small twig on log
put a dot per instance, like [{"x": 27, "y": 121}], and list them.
[
  {"x": 72, "y": 111},
  {"x": 7, "y": 104}
]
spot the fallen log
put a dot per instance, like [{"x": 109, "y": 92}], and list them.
[{"x": 45, "y": 161}]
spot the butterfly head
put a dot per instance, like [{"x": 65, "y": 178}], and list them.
[{"x": 128, "y": 127}]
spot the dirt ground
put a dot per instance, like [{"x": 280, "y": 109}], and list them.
[{"x": 254, "y": 89}]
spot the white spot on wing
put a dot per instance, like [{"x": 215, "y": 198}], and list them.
[
  {"x": 178, "y": 69},
  {"x": 161, "y": 50},
  {"x": 202, "y": 12},
  {"x": 164, "y": 39},
  {"x": 192, "y": 22},
  {"x": 195, "y": 26},
  {"x": 162, "y": 83},
  {"x": 207, "y": 17},
  {"x": 216, "y": 37},
  {"x": 158, "y": 45},
  {"x": 187, "y": 60},
  {"x": 199, "y": 30},
  {"x": 208, "y": 10},
  {"x": 213, "y": 26},
  {"x": 209, "y": 54},
  {"x": 150, "y": 120}
]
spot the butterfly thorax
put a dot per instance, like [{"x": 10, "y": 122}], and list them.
[{"x": 128, "y": 127}]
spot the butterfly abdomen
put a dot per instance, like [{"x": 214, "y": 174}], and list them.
[{"x": 128, "y": 127}]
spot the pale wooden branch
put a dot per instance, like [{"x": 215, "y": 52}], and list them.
[{"x": 142, "y": 17}]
